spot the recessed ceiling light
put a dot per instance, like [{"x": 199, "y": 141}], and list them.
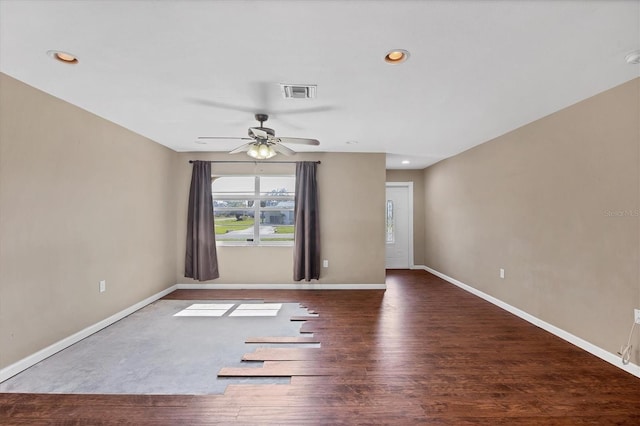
[
  {"x": 633, "y": 57},
  {"x": 396, "y": 56},
  {"x": 65, "y": 57},
  {"x": 406, "y": 161}
]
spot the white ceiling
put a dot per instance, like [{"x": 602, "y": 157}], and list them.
[{"x": 477, "y": 69}]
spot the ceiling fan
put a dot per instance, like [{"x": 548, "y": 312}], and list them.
[{"x": 263, "y": 141}]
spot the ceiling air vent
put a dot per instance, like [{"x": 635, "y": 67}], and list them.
[{"x": 298, "y": 91}]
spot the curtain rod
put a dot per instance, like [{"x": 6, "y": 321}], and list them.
[{"x": 257, "y": 162}]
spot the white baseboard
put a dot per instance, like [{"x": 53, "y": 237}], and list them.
[
  {"x": 575, "y": 340},
  {"x": 301, "y": 286},
  {"x": 35, "y": 358}
]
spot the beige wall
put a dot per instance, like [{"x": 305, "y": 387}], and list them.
[
  {"x": 556, "y": 204},
  {"x": 351, "y": 198},
  {"x": 81, "y": 200},
  {"x": 417, "y": 177}
]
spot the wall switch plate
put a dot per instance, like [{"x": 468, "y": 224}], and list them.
[
  {"x": 636, "y": 315},
  {"x": 325, "y": 263},
  {"x": 501, "y": 273},
  {"x": 103, "y": 286}
]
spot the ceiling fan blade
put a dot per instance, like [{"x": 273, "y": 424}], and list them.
[
  {"x": 222, "y": 105},
  {"x": 241, "y": 148},
  {"x": 302, "y": 110},
  {"x": 260, "y": 134},
  {"x": 224, "y": 137},
  {"x": 283, "y": 149},
  {"x": 299, "y": 141}
]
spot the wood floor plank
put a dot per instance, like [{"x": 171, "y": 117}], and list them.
[{"x": 421, "y": 352}]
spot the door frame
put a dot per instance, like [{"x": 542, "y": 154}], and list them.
[{"x": 409, "y": 186}]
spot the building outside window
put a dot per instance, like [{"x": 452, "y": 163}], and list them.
[{"x": 253, "y": 210}]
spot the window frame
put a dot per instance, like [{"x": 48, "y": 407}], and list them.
[{"x": 257, "y": 197}]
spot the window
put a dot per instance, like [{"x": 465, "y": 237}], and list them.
[
  {"x": 253, "y": 210},
  {"x": 390, "y": 223}
]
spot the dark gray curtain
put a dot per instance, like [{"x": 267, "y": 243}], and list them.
[
  {"x": 306, "y": 255},
  {"x": 201, "y": 260}
]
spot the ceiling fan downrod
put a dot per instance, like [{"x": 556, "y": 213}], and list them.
[{"x": 261, "y": 118}]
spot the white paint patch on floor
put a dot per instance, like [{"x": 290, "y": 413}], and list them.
[
  {"x": 254, "y": 313},
  {"x": 219, "y": 309},
  {"x": 257, "y": 310},
  {"x": 205, "y": 310},
  {"x": 254, "y": 306},
  {"x": 216, "y": 306}
]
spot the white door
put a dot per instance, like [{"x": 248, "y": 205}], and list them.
[{"x": 399, "y": 224}]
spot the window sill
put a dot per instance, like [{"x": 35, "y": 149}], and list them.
[{"x": 240, "y": 244}]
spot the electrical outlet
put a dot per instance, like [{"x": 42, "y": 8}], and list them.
[
  {"x": 501, "y": 273},
  {"x": 636, "y": 313},
  {"x": 325, "y": 263},
  {"x": 103, "y": 286}
]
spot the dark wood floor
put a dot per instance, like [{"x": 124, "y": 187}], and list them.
[{"x": 421, "y": 352}]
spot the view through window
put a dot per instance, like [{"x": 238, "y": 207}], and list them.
[{"x": 253, "y": 210}]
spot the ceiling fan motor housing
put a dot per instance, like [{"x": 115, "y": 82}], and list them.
[{"x": 269, "y": 131}]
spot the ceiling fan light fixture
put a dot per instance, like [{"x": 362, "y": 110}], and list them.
[
  {"x": 272, "y": 153},
  {"x": 261, "y": 151},
  {"x": 396, "y": 56},
  {"x": 253, "y": 151}
]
